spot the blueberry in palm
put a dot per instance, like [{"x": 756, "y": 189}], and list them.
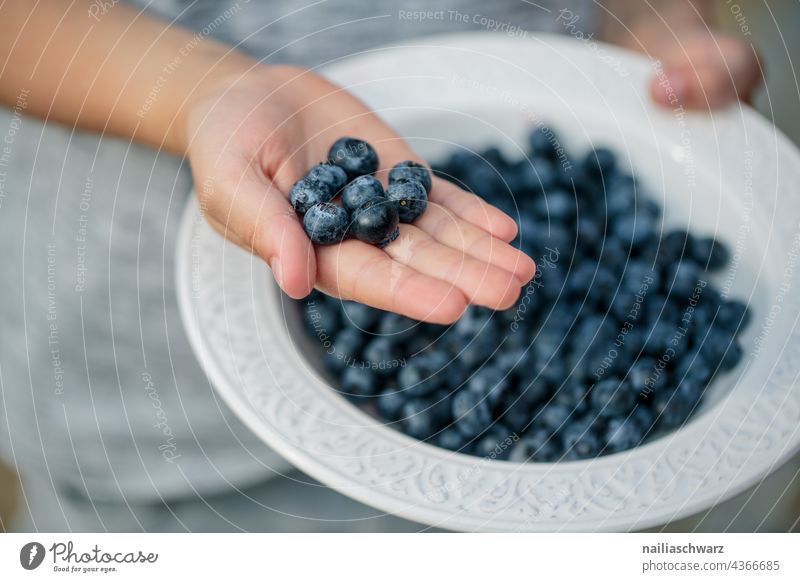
[
  {"x": 361, "y": 190},
  {"x": 326, "y": 223},
  {"x": 410, "y": 198},
  {"x": 375, "y": 222},
  {"x": 354, "y": 156},
  {"x": 328, "y": 174},
  {"x": 307, "y": 192},
  {"x": 410, "y": 171}
]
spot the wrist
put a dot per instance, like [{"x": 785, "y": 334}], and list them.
[
  {"x": 238, "y": 73},
  {"x": 206, "y": 73}
]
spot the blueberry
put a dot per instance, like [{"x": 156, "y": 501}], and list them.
[
  {"x": 533, "y": 392},
  {"x": 495, "y": 444},
  {"x": 589, "y": 234},
  {"x": 359, "y": 315},
  {"x": 450, "y": 439},
  {"x": 710, "y": 253},
  {"x": 673, "y": 407},
  {"x": 326, "y": 223},
  {"x": 348, "y": 343},
  {"x": 417, "y": 419},
  {"x": 333, "y": 177},
  {"x": 635, "y": 230},
  {"x": 599, "y": 161},
  {"x": 571, "y": 395},
  {"x": 396, "y": 327},
  {"x": 714, "y": 345},
  {"x": 640, "y": 277},
  {"x": 379, "y": 353},
  {"x": 357, "y": 382},
  {"x": 552, "y": 417},
  {"x": 731, "y": 357},
  {"x": 509, "y": 359},
  {"x": 580, "y": 440},
  {"x": 694, "y": 367},
  {"x": 410, "y": 199},
  {"x": 306, "y": 193},
  {"x": 477, "y": 350},
  {"x": 682, "y": 279},
  {"x": 674, "y": 245},
  {"x": 375, "y": 222},
  {"x": 664, "y": 336},
  {"x": 732, "y": 316},
  {"x": 517, "y": 413},
  {"x": 556, "y": 205},
  {"x": 643, "y": 377},
  {"x": 622, "y": 434},
  {"x": 543, "y": 142},
  {"x": 320, "y": 316},
  {"x": 415, "y": 381},
  {"x": 545, "y": 174},
  {"x": 489, "y": 383},
  {"x": 390, "y": 404},
  {"x": 624, "y": 306},
  {"x": 612, "y": 397},
  {"x": 354, "y": 156},
  {"x": 411, "y": 171},
  {"x": 361, "y": 190},
  {"x": 535, "y": 445},
  {"x": 434, "y": 363},
  {"x": 471, "y": 413}
]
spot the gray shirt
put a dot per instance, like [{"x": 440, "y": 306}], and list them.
[{"x": 101, "y": 394}]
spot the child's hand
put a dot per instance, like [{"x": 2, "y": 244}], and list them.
[
  {"x": 705, "y": 69},
  {"x": 702, "y": 68},
  {"x": 250, "y": 139}
]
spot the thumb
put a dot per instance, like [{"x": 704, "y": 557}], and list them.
[{"x": 253, "y": 213}]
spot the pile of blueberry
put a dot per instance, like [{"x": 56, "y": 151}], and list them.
[
  {"x": 613, "y": 343},
  {"x": 367, "y": 211}
]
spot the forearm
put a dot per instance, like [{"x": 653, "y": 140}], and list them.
[
  {"x": 638, "y": 24},
  {"x": 128, "y": 74}
]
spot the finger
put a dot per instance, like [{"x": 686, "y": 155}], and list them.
[
  {"x": 467, "y": 206},
  {"x": 474, "y": 210},
  {"x": 711, "y": 81},
  {"x": 360, "y": 272},
  {"x": 252, "y": 212},
  {"x": 393, "y": 149},
  {"x": 450, "y": 230},
  {"x": 480, "y": 282}
]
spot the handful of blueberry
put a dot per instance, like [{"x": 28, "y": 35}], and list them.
[
  {"x": 613, "y": 343},
  {"x": 367, "y": 211}
]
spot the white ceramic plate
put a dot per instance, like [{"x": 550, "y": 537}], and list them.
[{"x": 730, "y": 174}]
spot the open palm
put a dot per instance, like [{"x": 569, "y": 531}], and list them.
[{"x": 252, "y": 137}]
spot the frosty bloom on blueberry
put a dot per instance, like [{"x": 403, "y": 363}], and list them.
[
  {"x": 375, "y": 222},
  {"x": 411, "y": 171},
  {"x": 409, "y": 197},
  {"x": 326, "y": 223},
  {"x": 354, "y": 156},
  {"x": 306, "y": 193},
  {"x": 330, "y": 175},
  {"x": 360, "y": 190}
]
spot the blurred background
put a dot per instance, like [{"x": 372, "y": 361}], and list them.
[{"x": 772, "y": 505}]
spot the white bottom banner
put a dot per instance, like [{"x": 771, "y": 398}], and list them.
[{"x": 400, "y": 557}]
